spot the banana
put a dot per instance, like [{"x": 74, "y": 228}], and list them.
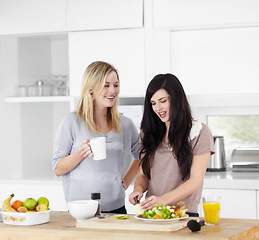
[{"x": 7, "y": 204}]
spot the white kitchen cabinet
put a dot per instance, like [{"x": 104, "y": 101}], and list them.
[
  {"x": 234, "y": 203},
  {"x": 191, "y": 14},
  {"x": 32, "y": 16},
  {"x": 27, "y": 139},
  {"x": 257, "y": 204},
  {"x": 102, "y": 14},
  {"x": 216, "y": 61},
  {"x": 28, "y": 125},
  {"x": 124, "y": 49},
  {"x": 27, "y": 59}
]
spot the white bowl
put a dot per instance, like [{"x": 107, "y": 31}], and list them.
[
  {"x": 25, "y": 219},
  {"x": 82, "y": 209}
]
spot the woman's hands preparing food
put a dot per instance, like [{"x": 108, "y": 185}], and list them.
[{"x": 148, "y": 203}]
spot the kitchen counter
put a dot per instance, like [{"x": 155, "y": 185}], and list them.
[
  {"x": 53, "y": 190},
  {"x": 232, "y": 180},
  {"x": 224, "y": 179},
  {"x": 63, "y": 226}
]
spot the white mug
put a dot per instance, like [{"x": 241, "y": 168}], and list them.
[{"x": 98, "y": 146}]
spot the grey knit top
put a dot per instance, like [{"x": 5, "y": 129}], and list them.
[{"x": 103, "y": 176}]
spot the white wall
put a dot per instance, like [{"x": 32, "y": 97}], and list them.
[{"x": 210, "y": 54}]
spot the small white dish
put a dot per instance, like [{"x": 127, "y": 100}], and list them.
[{"x": 162, "y": 220}]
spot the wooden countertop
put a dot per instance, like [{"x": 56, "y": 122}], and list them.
[{"x": 63, "y": 226}]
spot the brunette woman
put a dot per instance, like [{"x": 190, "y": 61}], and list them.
[{"x": 175, "y": 148}]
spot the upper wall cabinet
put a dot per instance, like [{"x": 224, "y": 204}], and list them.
[
  {"x": 103, "y": 14},
  {"x": 216, "y": 61},
  {"x": 182, "y": 14},
  {"x": 32, "y": 16},
  {"x": 123, "y": 48}
]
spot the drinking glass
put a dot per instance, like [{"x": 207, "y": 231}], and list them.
[
  {"x": 211, "y": 207},
  {"x": 22, "y": 91}
]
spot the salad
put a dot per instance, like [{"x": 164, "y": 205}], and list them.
[{"x": 162, "y": 211}]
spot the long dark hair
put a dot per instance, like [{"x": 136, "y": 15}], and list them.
[{"x": 154, "y": 129}]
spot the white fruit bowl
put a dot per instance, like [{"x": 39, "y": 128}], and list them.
[
  {"x": 82, "y": 209},
  {"x": 25, "y": 219}
]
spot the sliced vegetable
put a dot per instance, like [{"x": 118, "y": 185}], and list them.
[
  {"x": 138, "y": 209},
  {"x": 120, "y": 217}
]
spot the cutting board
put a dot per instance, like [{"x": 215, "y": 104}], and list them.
[{"x": 131, "y": 223}]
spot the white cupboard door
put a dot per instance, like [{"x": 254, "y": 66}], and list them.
[
  {"x": 103, "y": 14},
  {"x": 32, "y": 16},
  {"x": 184, "y": 14},
  {"x": 124, "y": 49},
  {"x": 235, "y": 203},
  {"x": 216, "y": 61}
]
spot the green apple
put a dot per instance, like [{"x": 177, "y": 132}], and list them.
[
  {"x": 43, "y": 200},
  {"x": 30, "y": 204},
  {"x": 41, "y": 207}
]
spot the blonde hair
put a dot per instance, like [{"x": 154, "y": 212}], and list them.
[{"x": 92, "y": 85}]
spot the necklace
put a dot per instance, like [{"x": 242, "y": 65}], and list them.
[{"x": 170, "y": 148}]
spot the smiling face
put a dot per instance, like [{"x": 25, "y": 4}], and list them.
[
  {"x": 110, "y": 91},
  {"x": 161, "y": 105}
]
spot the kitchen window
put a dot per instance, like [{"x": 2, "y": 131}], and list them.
[
  {"x": 234, "y": 116},
  {"x": 237, "y": 130}
]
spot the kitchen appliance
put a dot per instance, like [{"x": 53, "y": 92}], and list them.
[
  {"x": 245, "y": 160},
  {"x": 217, "y": 161}
]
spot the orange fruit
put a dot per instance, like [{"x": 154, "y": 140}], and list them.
[{"x": 16, "y": 204}]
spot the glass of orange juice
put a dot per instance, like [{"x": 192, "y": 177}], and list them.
[{"x": 211, "y": 208}]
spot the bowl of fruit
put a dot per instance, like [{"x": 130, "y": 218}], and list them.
[{"x": 27, "y": 212}]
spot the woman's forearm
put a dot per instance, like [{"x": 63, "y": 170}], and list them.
[
  {"x": 131, "y": 173},
  {"x": 68, "y": 163},
  {"x": 140, "y": 187},
  {"x": 173, "y": 196},
  {"x": 181, "y": 192},
  {"x": 141, "y": 183},
  {"x": 198, "y": 170}
]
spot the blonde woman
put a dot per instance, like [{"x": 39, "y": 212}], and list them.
[{"x": 97, "y": 115}]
